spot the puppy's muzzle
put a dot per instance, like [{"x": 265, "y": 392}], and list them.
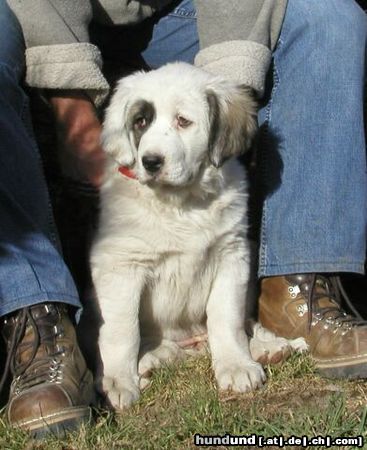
[{"x": 152, "y": 163}]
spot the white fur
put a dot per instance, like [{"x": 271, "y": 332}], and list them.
[{"x": 171, "y": 259}]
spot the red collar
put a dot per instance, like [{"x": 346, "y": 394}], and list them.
[{"x": 127, "y": 172}]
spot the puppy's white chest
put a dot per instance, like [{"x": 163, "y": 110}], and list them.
[
  {"x": 178, "y": 290},
  {"x": 182, "y": 264}
]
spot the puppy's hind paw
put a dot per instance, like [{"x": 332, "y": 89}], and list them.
[
  {"x": 298, "y": 345},
  {"x": 267, "y": 348}
]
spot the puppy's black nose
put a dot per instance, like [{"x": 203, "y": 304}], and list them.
[{"x": 152, "y": 163}]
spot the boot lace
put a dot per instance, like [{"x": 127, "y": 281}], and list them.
[
  {"x": 39, "y": 367},
  {"x": 333, "y": 315}
]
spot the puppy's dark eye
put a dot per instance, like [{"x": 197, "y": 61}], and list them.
[
  {"x": 140, "y": 123},
  {"x": 182, "y": 122}
]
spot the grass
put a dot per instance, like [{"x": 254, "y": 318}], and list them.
[{"x": 183, "y": 400}]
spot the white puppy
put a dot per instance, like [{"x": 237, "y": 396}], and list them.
[{"x": 170, "y": 261}]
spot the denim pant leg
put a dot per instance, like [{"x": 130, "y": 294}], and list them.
[
  {"x": 313, "y": 160},
  {"x": 174, "y": 37},
  {"x": 31, "y": 266}
]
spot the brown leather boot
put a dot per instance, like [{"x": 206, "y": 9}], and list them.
[
  {"x": 308, "y": 306},
  {"x": 52, "y": 387}
]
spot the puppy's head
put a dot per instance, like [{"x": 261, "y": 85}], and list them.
[{"x": 167, "y": 124}]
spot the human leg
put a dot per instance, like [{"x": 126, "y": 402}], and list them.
[
  {"x": 315, "y": 219},
  {"x": 314, "y": 213},
  {"x": 29, "y": 245},
  {"x": 35, "y": 284}
]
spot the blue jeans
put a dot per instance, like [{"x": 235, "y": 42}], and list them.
[
  {"x": 313, "y": 156},
  {"x": 31, "y": 266},
  {"x": 315, "y": 214},
  {"x": 313, "y": 159}
]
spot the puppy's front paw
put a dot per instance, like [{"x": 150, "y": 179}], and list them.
[
  {"x": 119, "y": 393},
  {"x": 240, "y": 377}
]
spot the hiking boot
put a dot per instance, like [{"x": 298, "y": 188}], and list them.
[
  {"x": 52, "y": 388},
  {"x": 308, "y": 306}
]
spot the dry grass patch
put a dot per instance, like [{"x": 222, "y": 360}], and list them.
[{"x": 183, "y": 400}]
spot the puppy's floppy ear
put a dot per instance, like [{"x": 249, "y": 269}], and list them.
[
  {"x": 115, "y": 134},
  {"x": 233, "y": 120}
]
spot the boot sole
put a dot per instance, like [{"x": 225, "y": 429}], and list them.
[
  {"x": 57, "y": 424},
  {"x": 348, "y": 370}
]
